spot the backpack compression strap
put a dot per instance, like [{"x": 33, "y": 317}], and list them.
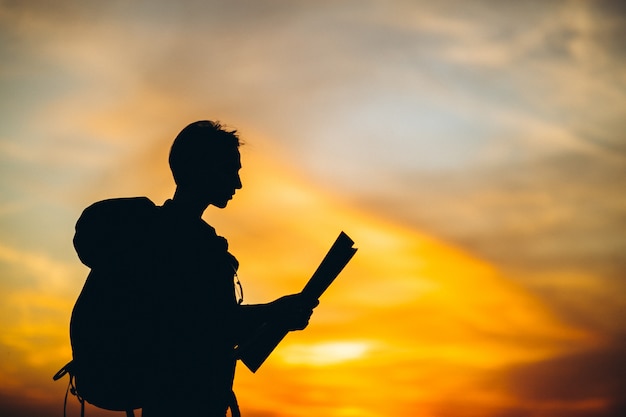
[
  {"x": 71, "y": 387},
  {"x": 67, "y": 369}
]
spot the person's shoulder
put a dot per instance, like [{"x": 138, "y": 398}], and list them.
[{"x": 211, "y": 238}]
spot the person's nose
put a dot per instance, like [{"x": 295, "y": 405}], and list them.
[{"x": 238, "y": 184}]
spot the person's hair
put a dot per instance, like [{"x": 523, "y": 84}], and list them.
[{"x": 199, "y": 145}]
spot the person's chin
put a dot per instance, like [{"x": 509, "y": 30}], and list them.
[{"x": 222, "y": 203}]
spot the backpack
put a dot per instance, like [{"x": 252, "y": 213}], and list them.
[{"x": 110, "y": 326}]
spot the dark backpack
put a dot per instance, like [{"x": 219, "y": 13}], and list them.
[{"x": 111, "y": 325}]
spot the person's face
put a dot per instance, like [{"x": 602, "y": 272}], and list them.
[{"x": 223, "y": 180}]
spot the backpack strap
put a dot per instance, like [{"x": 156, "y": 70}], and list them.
[
  {"x": 71, "y": 387},
  {"x": 233, "y": 405},
  {"x": 67, "y": 368}
]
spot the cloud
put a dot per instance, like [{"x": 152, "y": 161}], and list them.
[
  {"x": 45, "y": 273},
  {"x": 595, "y": 378},
  {"x": 539, "y": 221},
  {"x": 494, "y": 127},
  {"x": 36, "y": 296}
]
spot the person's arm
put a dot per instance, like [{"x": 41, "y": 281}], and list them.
[{"x": 291, "y": 311}]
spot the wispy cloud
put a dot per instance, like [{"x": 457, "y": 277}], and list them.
[{"x": 496, "y": 127}]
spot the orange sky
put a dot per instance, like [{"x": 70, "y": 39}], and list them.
[
  {"x": 474, "y": 154},
  {"x": 411, "y": 322}
]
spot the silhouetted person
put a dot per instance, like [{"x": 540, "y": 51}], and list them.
[{"x": 177, "y": 298}]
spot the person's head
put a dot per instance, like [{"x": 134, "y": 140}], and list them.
[{"x": 205, "y": 162}]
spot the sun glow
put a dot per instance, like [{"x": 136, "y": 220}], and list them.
[
  {"x": 404, "y": 322},
  {"x": 405, "y": 312},
  {"x": 325, "y": 353}
]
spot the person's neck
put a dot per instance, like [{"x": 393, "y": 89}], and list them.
[{"x": 188, "y": 203}]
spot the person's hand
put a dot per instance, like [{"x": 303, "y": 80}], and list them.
[{"x": 293, "y": 311}]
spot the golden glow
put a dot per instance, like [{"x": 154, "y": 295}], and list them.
[
  {"x": 410, "y": 317},
  {"x": 323, "y": 354},
  {"x": 397, "y": 102},
  {"x": 410, "y": 322}
]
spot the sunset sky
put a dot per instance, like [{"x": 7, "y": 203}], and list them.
[{"x": 474, "y": 150}]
